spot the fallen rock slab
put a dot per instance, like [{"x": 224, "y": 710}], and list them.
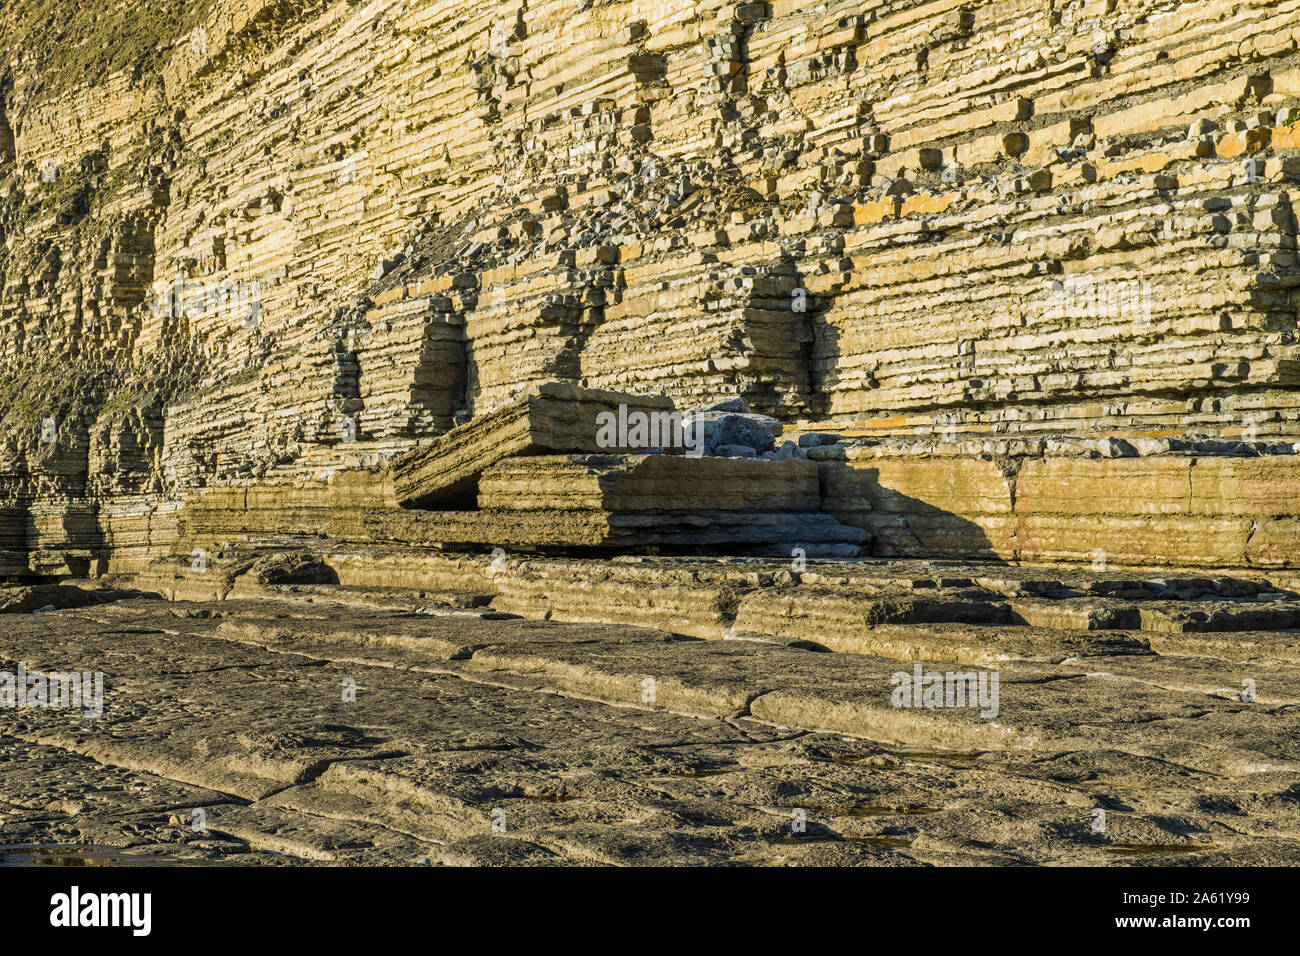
[
  {"x": 648, "y": 483},
  {"x": 554, "y": 417}
]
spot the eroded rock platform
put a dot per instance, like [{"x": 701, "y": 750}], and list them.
[{"x": 481, "y": 736}]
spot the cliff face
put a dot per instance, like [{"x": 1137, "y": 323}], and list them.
[{"x": 248, "y": 241}]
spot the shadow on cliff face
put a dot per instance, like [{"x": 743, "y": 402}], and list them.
[
  {"x": 902, "y": 526},
  {"x": 821, "y": 355}
]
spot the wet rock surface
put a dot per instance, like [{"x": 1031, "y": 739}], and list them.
[{"x": 319, "y": 723}]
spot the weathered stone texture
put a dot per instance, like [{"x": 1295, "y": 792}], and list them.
[
  {"x": 603, "y": 735},
  {"x": 651, "y": 483},
  {"x": 553, "y": 417},
  {"x": 334, "y": 230},
  {"x": 1032, "y": 503}
]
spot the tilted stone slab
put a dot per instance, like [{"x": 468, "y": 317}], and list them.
[
  {"x": 645, "y": 483},
  {"x": 553, "y": 417}
]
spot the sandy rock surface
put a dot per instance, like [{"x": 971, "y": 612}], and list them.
[{"x": 476, "y": 736}]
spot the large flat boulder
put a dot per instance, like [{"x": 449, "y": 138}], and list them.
[
  {"x": 554, "y": 418},
  {"x": 647, "y": 483}
]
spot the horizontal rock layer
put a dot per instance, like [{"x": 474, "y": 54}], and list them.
[{"x": 650, "y": 483}]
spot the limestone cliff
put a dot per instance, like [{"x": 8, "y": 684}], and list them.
[{"x": 249, "y": 241}]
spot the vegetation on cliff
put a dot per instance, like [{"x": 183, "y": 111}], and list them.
[{"x": 75, "y": 43}]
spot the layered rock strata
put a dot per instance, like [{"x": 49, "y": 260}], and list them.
[
  {"x": 554, "y": 417},
  {"x": 299, "y": 238}
]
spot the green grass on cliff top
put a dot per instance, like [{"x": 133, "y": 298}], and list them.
[{"x": 66, "y": 43}]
